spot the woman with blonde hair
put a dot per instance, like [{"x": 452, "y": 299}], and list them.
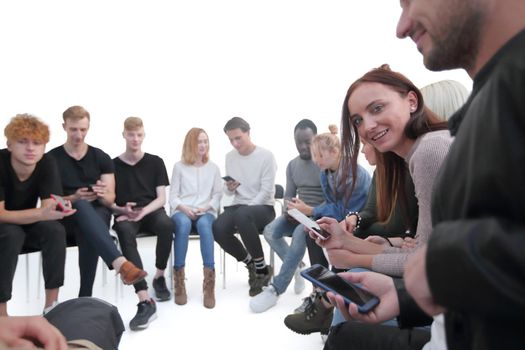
[{"x": 195, "y": 194}]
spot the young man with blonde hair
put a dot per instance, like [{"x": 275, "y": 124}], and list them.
[
  {"x": 88, "y": 182},
  {"x": 27, "y": 175},
  {"x": 141, "y": 181}
]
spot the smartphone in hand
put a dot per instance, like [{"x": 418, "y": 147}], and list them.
[
  {"x": 309, "y": 223},
  {"x": 61, "y": 203},
  {"x": 228, "y": 178},
  {"x": 351, "y": 293}
]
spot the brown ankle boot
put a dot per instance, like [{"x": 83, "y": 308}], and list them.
[
  {"x": 208, "y": 288},
  {"x": 180, "y": 287},
  {"x": 130, "y": 274}
]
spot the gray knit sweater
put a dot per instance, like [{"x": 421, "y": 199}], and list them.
[{"x": 424, "y": 161}]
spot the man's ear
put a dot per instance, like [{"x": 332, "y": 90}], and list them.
[{"x": 64, "y": 126}]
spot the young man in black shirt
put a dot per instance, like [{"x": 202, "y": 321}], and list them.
[
  {"x": 88, "y": 182},
  {"x": 141, "y": 181},
  {"x": 26, "y": 175}
]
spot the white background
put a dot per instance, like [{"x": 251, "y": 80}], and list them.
[{"x": 180, "y": 64}]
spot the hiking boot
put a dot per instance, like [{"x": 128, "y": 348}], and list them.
[
  {"x": 130, "y": 274},
  {"x": 306, "y": 301},
  {"x": 264, "y": 300},
  {"x": 208, "y": 288},
  {"x": 261, "y": 280},
  {"x": 179, "y": 277},
  {"x": 299, "y": 284},
  {"x": 315, "y": 318},
  {"x": 161, "y": 290},
  {"x": 146, "y": 312}
]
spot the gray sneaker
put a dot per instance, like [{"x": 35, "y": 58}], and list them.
[
  {"x": 260, "y": 281},
  {"x": 146, "y": 312}
]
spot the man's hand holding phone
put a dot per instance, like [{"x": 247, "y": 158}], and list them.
[
  {"x": 231, "y": 183},
  {"x": 382, "y": 286},
  {"x": 349, "y": 292},
  {"x": 59, "y": 209}
]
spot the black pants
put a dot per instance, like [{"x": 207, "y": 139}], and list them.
[
  {"x": 249, "y": 221},
  {"x": 363, "y": 336},
  {"x": 315, "y": 253},
  {"x": 157, "y": 223},
  {"x": 48, "y": 236},
  {"x": 89, "y": 229}
]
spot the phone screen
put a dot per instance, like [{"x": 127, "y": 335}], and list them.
[
  {"x": 228, "y": 178},
  {"x": 309, "y": 223},
  {"x": 350, "y": 292}
]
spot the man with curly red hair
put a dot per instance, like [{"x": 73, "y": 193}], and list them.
[{"x": 27, "y": 175}]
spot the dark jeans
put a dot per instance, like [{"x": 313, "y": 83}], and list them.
[
  {"x": 357, "y": 336},
  {"x": 249, "y": 221},
  {"x": 157, "y": 223},
  {"x": 47, "y": 236},
  {"x": 89, "y": 228}
]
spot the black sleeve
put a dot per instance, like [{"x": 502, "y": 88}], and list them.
[
  {"x": 48, "y": 178},
  {"x": 410, "y": 314}
]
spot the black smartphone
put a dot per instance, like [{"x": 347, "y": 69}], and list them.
[
  {"x": 309, "y": 223},
  {"x": 351, "y": 293},
  {"x": 61, "y": 203},
  {"x": 228, "y": 178},
  {"x": 90, "y": 188}
]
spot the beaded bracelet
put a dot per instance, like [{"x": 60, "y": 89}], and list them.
[{"x": 358, "y": 218}]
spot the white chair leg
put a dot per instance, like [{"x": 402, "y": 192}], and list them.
[{"x": 39, "y": 276}]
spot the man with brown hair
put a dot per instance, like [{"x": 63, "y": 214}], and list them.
[
  {"x": 88, "y": 182},
  {"x": 26, "y": 175},
  {"x": 141, "y": 181}
]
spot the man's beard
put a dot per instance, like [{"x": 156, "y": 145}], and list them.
[{"x": 458, "y": 46}]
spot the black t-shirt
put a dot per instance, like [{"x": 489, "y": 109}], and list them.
[
  {"x": 19, "y": 195},
  {"x": 138, "y": 183},
  {"x": 84, "y": 172}
]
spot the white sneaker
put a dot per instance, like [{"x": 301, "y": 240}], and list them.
[
  {"x": 299, "y": 284},
  {"x": 264, "y": 300}
]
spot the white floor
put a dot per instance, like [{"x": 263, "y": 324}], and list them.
[{"x": 231, "y": 324}]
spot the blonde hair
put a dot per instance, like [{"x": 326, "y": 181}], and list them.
[
  {"x": 26, "y": 126},
  {"x": 75, "y": 113},
  {"x": 133, "y": 123},
  {"x": 444, "y": 97},
  {"x": 190, "y": 147},
  {"x": 327, "y": 141}
]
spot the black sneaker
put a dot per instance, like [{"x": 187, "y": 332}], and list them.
[
  {"x": 251, "y": 273},
  {"x": 161, "y": 290},
  {"x": 260, "y": 281},
  {"x": 146, "y": 312}
]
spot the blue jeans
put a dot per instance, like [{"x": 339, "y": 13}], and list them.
[
  {"x": 183, "y": 226},
  {"x": 291, "y": 255}
]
